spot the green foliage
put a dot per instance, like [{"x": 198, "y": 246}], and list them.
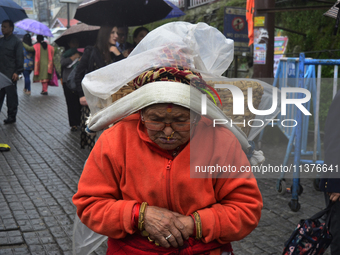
[
  {"x": 236, "y": 3},
  {"x": 319, "y": 43}
]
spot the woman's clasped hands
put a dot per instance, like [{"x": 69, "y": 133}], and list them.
[{"x": 167, "y": 228}]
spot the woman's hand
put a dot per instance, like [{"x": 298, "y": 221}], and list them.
[
  {"x": 334, "y": 196},
  {"x": 75, "y": 56},
  {"x": 126, "y": 53},
  {"x": 15, "y": 77},
  {"x": 160, "y": 223},
  {"x": 188, "y": 222},
  {"x": 114, "y": 50},
  {"x": 82, "y": 101}
]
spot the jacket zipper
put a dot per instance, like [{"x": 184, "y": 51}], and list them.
[{"x": 168, "y": 168}]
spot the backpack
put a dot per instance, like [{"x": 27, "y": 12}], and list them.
[
  {"x": 310, "y": 236},
  {"x": 71, "y": 83}
]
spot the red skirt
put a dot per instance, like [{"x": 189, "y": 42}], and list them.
[{"x": 136, "y": 244}]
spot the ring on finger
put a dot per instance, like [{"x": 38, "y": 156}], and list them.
[
  {"x": 150, "y": 240},
  {"x": 166, "y": 238}
]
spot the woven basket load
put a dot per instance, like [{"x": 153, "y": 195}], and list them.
[
  {"x": 227, "y": 101},
  {"x": 123, "y": 91}
]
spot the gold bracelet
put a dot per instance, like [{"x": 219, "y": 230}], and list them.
[
  {"x": 198, "y": 224},
  {"x": 141, "y": 216}
]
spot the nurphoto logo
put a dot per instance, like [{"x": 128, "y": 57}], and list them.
[{"x": 238, "y": 105}]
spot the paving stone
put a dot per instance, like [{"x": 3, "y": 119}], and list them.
[
  {"x": 39, "y": 176},
  {"x": 7, "y": 251},
  {"x": 37, "y": 249},
  {"x": 20, "y": 251},
  {"x": 10, "y": 238}
]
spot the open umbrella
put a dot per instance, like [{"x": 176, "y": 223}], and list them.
[
  {"x": 121, "y": 12},
  {"x": 85, "y": 34},
  {"x": 334, "y": 13},
  {"x": 4, "y": 81},
  {"x": 34, "y": 26},
  {"x": 175, "y": 12},
  {"x": 11, "y": 10}
]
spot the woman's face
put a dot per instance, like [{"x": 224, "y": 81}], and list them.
[
  {"x": 167, "y": 139},
  {"x": 140, "y": 36},
  {"x": 74, "y": 43},
  {"x": 113, "y": 36}
]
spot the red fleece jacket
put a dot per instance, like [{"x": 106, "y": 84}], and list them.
[{"x": 126, "y": 167}]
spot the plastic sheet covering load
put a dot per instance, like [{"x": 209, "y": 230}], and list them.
[
  {"x": 206, "y": 50},
  {"x": 198, "y": 47}
]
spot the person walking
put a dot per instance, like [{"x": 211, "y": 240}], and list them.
[
  {"x": 43, "y": 65},
  {"x": 139, "y": 34},
  {"x": 11, "y": 65},
  {"x": 68, "y": 62},
  {"x": 330, "y": 182},
  {"x": 123, "y": 46},
  {"x": 28, "y": 63},
  {"x": 103, "y": 53}
]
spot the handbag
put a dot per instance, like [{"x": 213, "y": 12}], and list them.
[
  {"x": 54, "y": 79},
  {"x": 310, "y": 236}
]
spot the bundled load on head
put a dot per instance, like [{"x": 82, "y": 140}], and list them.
[{"x": 197, "y": 54}]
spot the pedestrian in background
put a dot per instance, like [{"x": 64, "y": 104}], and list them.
[
  {"x": 28, "y": 63},
  {"x": 68, "y": 62},
  {"x": 139, "y": 34},
  {"x": 103, "y": 53},
  {"x": 123, "y": 46},
  {"x": 330, "y": 182},
  {"x": 11, "y": 65},
  {"x": 43, "y": 62}
]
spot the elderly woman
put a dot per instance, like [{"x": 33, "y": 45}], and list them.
[{"x": 136, "y": 186}]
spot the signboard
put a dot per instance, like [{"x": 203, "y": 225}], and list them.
[
  {"x": 259, "y": 21},
  {"x": 280, "y": 45},
  {"x": 236, "y": 28},
  {"x": 260, "y": 53},
  {"x": 28, "y": 6}
]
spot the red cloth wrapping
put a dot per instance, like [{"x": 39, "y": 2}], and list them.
[
  {"x": 250, "y": 20},
  {"x": 135, "y": 215},
  {"x": 138, "y": 245}
]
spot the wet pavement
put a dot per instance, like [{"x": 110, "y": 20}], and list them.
[{"x": 39, "y": 176}]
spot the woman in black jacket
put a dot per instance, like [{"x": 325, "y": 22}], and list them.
[
  {"x": 330, "y": 182},
  {"x": 67, "y": 62},
  {"x": 103, "y": 53}
]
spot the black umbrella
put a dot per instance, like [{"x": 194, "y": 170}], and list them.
[
  {"x": 85, "y": 34},
  {"x": 121, "y": 12},
  {"x": 12, "y": 11}
]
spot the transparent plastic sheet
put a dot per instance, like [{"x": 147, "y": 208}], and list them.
[
  {"x": 205, "y": 49},
  {"x": 265, "y": 104},
  {"x": 84, "y": 240}
]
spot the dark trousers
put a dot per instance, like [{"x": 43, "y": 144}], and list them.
[
  {"x": 26, "y": 74},
  {"x": 335, "y": 226},
  {"x": 73, "y": 106},
  {"x": 11, "y": 100}
]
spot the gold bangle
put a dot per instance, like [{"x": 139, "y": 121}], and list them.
[
  {"x": 141, "y": 216},
  {"x": 198, "y": 224}
]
